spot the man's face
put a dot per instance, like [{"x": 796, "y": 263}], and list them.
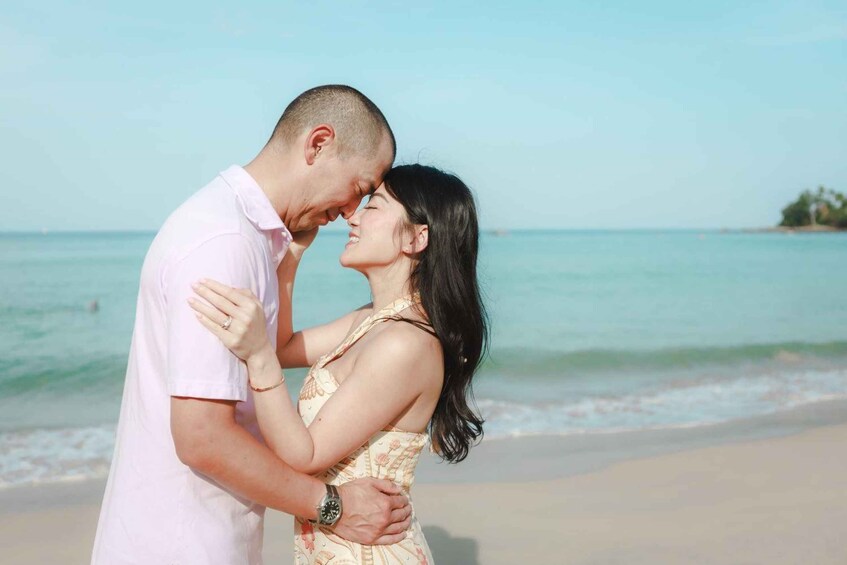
[{"x": 340, "y": 184}]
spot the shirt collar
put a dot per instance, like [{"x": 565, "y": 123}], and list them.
[{"x": 254, "y": 201}]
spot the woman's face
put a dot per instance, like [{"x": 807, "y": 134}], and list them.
[{"x": 376, "y": 233}]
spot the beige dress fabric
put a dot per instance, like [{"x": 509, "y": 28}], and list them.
[{"x": 390, "y": 454}]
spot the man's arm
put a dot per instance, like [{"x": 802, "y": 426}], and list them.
[
  {"x": 305, "y": 347},
  {"x": 209, "y": 440},
  {"x": 205, "y": 380},
  {"x": 393, "y": 368}
]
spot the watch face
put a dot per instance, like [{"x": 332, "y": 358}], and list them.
[{"x": 330, "y": 511}]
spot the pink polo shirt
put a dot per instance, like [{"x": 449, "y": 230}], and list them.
[{"x": 157, "y": 510}]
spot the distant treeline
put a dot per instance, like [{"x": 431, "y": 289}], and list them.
[{"x": 825, "y": 207}]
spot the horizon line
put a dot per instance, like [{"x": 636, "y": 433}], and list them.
[{"x": 48, "y": 231}]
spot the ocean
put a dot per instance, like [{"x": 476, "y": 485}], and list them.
[{"x": 592, "y": 332}]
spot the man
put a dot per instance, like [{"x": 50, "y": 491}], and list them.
[{"x": 190, "y": 478}]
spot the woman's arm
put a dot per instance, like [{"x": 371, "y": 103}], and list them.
[
  {"x": 382, "y": 386},
  {"x": 304, "y": 348},
  {"x": 388, "y": 376}
]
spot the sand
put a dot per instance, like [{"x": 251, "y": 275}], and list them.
[{"x": 638, "y": 498}]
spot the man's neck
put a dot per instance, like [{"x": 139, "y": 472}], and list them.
[{"x": 269, "y": 174}]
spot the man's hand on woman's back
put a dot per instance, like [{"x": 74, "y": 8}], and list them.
[{"x": 375, "y": 512}]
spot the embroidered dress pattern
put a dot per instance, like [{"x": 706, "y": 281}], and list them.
[{"x": 390, "y": 454}]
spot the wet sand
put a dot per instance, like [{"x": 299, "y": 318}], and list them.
[{"x": 770, "y": 490}]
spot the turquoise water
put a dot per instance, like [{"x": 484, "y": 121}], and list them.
[{"x": 593, "y": 332}]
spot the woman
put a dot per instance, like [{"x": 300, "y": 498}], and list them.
[{"x": 384, "y": 378}]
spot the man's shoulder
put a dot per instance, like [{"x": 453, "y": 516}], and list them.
[
  {"x": 211, "y": 217},
  {"x": 213, "y": 208}
]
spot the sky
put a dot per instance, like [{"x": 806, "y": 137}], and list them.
[{"x": 559, "y": 115}]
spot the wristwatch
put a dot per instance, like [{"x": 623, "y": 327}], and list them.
[{"x": 329, "y": 508}]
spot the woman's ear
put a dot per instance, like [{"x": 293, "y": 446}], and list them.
[{"x": 419, "y": 240}]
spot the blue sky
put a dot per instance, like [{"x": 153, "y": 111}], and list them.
[{"x": 557, "y": 114}]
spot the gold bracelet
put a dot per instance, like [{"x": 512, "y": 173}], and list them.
[{"x": 281, "y": 381}]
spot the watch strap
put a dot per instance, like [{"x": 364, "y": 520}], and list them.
[{"x": 331, "y": 494}]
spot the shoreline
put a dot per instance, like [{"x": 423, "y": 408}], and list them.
[
  {"x": 792, "y": 230},
  {"x": 547, "y": 456},
  {"x": 594, "y": 498},
  {"x": 551, "y": 457}
]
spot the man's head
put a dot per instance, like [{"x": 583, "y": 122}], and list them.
[{"x": 336, "y": 146}]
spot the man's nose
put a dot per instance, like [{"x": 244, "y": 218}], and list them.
[{"x": 350, "y": 209}]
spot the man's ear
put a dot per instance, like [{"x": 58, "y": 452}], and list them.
[
  {"x": 318, "y": 140},
  {"x": 419, "y": 240}
]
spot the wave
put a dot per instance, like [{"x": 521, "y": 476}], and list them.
[
  {"x": 84, "y": 452},
  {"x": 28, "y": 313},
  {"x": 525, "y": 362},
  {"x": 51, "y": 376},
  {"x": 49, "y": 456},
  {"x": 105, "y": 372},
  {"x": 670, "y": 404}
]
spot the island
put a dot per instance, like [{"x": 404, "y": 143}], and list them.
[{"x": 824, "y": 210}]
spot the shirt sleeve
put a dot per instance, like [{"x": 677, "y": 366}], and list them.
[{"x": 199, "y": 365}]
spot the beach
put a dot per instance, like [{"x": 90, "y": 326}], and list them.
[
  {"x": 626, "y": 228},
  {"x": 765, "y": 490},
  {"x": 650, "y": 397}
]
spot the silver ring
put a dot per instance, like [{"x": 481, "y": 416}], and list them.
[{"x": 227, "y": 323}]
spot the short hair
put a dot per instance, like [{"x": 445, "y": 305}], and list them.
[{"x": 359, "y": 124}]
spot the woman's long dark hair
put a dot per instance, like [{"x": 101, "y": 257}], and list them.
[{"x": 445, "y": 277}]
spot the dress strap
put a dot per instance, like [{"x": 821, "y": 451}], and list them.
[{"x": 384, "y": 314}]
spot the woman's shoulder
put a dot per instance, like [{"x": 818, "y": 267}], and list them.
[
  {"x": 398, "y": 354},
  {"x": 363, "y": 312},
  {"x": 405, "y": 343},
  {"x": 354, "y": 319}
]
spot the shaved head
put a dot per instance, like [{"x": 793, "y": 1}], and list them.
[{"x": 360, "y": 127}]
